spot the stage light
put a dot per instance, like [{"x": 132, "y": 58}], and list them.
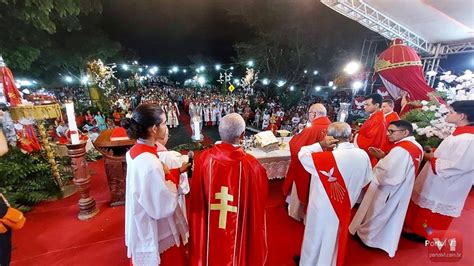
[
  {"x": 315, "y": 72},
  {"x": 250, "y": 63},
  {"x": 175, "y": 69},
  {"x": 330, "y": 83},
  {"x": 140, "y": 69},
  {"x": 357, "y": 85},
  {"x": 153, "y": 70},
  {"x": 334, "y": 87},
  {"x": 202, "y": 68},
  {"x": 317, "y": 88},
  {"x": 352, "y": 68},
  {"x": 84, "y": 79},
  {"x": 292, "y": 88},
  {"x": 281, "y": 83},
  {"x": 201, "y": 80},
  {"x": 124, "y": 66},
  {"x": 231, "y": 68},
  {"x": 305, "y": 71},
  {"x": 170, "y": 71},
  {"x": 135, "y": 62},
  {"x": 68, "y": 79},
  {"x": 218, "y": 67},
  {"x": 265, "y": 81},
  {"x": 184, "y": 71}
]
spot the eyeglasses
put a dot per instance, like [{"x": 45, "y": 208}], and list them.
[{"x": 391, "y": 131}]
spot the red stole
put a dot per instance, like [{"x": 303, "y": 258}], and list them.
[
  {"x": 336, "y": 190},
  {"x": 416, "y": 153}
]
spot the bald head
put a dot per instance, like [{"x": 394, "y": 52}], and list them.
[
  {"x": 316, "y": 110},
  {"x": 231, "y": 128}
]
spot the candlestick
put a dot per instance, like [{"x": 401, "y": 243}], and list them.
[{"x": 72, "y": 123}]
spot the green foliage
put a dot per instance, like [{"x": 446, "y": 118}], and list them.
[
  {"x": 423, "y": 119},
  {"x": 93, "y": 155},
  {"x": 26, "y": 179},
  {"x": 290, "y": 36},
  {"x": 290, "y": 99},
  {"x": 41, "y": 38}
]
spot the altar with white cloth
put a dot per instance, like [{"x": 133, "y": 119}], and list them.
[{"x": 275, "y": 162}]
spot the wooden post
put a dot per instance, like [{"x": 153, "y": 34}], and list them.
[{"x": 82, "y": 179}]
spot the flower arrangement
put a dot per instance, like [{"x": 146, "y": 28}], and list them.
[
  {"x": 429, "y": 120},
  {"x": 101, "y": 75}
]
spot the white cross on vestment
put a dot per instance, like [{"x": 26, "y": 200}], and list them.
[{"x": 223, "y": 207}]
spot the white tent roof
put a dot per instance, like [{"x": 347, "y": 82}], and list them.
[
  {"x": 421, "y": 23},
  {"x": 436, "y": 21}
]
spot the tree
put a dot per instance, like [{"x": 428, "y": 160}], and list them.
[
  {"x": 291, "y": 36},
  {"x": 42, "y": 38}
]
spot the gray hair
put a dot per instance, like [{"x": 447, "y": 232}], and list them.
[
  {"x": 339, "y": 130},
  {"x": 318, "y": 109},
  {"x": 231, "y": 127}
]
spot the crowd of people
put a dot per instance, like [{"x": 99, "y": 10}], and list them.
[{"x": 376, "y": 167}]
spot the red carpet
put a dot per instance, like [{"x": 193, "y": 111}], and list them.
[{"x": 54, "y": 236}]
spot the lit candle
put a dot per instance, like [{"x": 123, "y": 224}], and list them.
[
  {"x": 197, "y": 130},
  {"x": 72, "y": 123}
]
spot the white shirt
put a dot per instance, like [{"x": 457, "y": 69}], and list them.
[
  {"x": 321, "y": 231},
  {"x": 148, "y": 198},
  {"x": 446, "y": 192}
]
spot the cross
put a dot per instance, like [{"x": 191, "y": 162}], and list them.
[{"x": 223, "y": 207}]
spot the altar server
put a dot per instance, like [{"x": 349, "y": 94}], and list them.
[
  {"x": 379, "y": 219},
  {"x": 442, "y": 187},
  {"x": 151, "y": 194}
]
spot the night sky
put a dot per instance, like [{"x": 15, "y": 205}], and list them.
[{"x": 166, "y": 32}]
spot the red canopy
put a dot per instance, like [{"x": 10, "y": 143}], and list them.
[{"x": 400, "y": 68}]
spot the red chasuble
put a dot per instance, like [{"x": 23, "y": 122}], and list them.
[
  {"x": 296, "y": 173},
  {"x": 393, "y": 116},
  {"x": 227, "y": 208},
  {"x": 336, "y": 190},
  {"x": 373, "y": 133}
]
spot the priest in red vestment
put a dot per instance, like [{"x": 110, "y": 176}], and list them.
[
  {"x": 373, "y": 133},
  {"x": 296, "y": 184},
  {"x": 389, "y": 113},
  {"x": 227, "y": 202}
]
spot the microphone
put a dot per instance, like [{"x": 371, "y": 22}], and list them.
[{"x": 190, "y": 160}]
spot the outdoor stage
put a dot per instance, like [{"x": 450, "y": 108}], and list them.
[{"x": 54, "y": 236}]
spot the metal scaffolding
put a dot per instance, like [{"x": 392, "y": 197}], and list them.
[{"x": 376, "y": 21}]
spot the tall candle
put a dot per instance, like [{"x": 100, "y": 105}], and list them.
[
  {"x": 72, "y": 123},
  {"x": 197, "y": 130}
]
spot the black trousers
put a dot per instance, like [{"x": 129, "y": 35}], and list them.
[{"x": 5, "y": 248}]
